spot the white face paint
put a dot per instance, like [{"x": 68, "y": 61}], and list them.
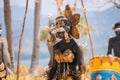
[{"x": 117, "y": 29}]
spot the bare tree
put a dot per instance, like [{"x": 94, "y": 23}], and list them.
[
  {"x": 9, "y": 33},
  {"x": 36, "y": 46}
]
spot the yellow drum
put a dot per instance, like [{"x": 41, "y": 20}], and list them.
[{"x": 101, "y": 67}]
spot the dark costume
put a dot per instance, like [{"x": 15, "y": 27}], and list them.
[
  {"x": 63, "y": 46},
  {"x": 114, "y": 43},
  {"x": 67, "y": 55}
]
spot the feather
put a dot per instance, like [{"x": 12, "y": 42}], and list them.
[
  {"x": 68, "y": 11},
  {"x": 75, "y": 19},
  {"x": 75, "y": 32}
]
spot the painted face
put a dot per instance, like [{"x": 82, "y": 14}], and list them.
[
  {"x": 62, "y": 34},
  {"x": 60, "y": 23},
  {"x": 117, "y": 33}
]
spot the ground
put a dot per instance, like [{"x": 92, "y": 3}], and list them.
[{"x": 24, "y": 75}]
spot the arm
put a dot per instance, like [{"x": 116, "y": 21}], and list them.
[
  {"x": 110, "y": 47},
  {"x": 6, "y": 57}
]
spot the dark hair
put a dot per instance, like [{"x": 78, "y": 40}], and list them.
[{"x": 117, "y": 25}]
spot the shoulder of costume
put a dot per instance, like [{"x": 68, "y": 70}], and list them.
[{"x": 112, "y": 38}]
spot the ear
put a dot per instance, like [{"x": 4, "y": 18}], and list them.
[{"x": 75, "y": 19}]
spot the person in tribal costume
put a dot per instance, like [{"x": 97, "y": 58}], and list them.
[
  {"x": 114, "y": 43},
  {"x": 5, "y": 64},
  {"x": 67, "y": 55}
]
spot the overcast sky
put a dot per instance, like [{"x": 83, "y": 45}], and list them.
[{"x": 49, "y": 6}]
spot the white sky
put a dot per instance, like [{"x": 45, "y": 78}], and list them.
[{"x": 49, "y": 6}]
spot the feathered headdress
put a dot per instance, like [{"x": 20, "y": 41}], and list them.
[{"x": 74, "y": 20}]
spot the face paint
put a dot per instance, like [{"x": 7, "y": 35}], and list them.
[{"x": 117, "y": 33}]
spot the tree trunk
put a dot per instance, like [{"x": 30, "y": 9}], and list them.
[
  {"x": 35, "y": 54},
  {"x": 9, "y": 33}
]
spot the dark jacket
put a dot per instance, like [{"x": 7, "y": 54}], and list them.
[
  {"x": 63, "y": 46},
  {"x": 114, "y": 43}
]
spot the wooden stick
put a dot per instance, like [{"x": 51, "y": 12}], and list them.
[
  {"x": 20, "y": 41},
  {"x": 89, "y": 34}
]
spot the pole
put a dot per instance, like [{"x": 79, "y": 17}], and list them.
[
  {"x": 89, "y": 34},
  {"x": 20, "y": 41}
]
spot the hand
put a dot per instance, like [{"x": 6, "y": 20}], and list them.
[
  {"x": 47, "y": 29},
  {"x": 111, "y": 58}
]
